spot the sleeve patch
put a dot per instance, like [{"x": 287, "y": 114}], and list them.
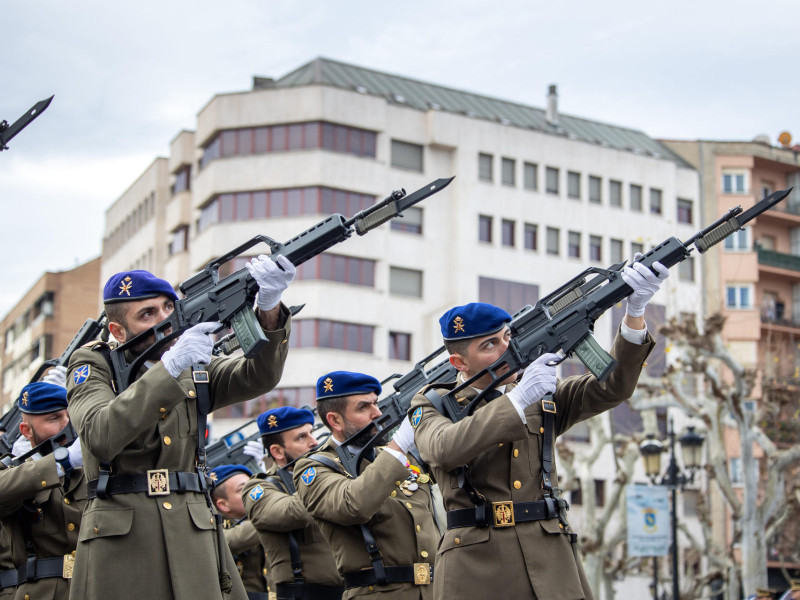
[
  {"x": 256, "y": 493},
  {"x": 81, "y": 374},
  {"x": 416, "y": 417},
  {"x": 309, "y": 475}
]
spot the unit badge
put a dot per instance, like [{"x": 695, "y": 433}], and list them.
[
  {"x": 125, "y": 286},
  {"x": 458, "y": 325},
  {"x": 309, "y": 475},
  {"x": 416, "y": 417},
  {"x": 256, "y": 493},
  {"x": 81, "y": 374},
  {"x": 272, "y": 421}
]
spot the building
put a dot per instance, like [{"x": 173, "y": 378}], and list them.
[{"x": 43, "y": 323}]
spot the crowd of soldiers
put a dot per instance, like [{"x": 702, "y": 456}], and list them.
[{"x": 444, "y": 509}]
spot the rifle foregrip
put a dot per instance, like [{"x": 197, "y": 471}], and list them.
[
  {"x": 379, "y": 217},
  {"x": 597, "y": 360},
  {"x": 715, "y": 236}
]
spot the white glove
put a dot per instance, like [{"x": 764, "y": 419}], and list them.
[
  {"x": 254, "y": 449},
  {"x": 75, "y": 455},
  {"x": 194, "y": 346},
  {"x": 21, "y": 446},
  {"x": 404, "y": 436},
  {"x": 644, "y": 283},
  {"x": 272, "y": 279},
  {"x": 537, "y": 380},
  {"x": 56, "y": 376}
]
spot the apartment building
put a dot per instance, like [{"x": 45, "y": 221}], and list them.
[{"x": 42, "y": 324}]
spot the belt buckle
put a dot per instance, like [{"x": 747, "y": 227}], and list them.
[
  {"x": 422, "y": 574},
  {"x": 69, "y": 565},
  {"x": 200, "y": 376},
  {"x": 549, "y": 406},
  {"x": 158, "y": 482},
  {"x": 503, "y": 514}
]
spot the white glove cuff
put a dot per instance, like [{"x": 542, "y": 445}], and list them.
[
  {"x": 635, "y": 311},
  {"x": 398, "y": 455},
  {"x": 516, "y": 402}
]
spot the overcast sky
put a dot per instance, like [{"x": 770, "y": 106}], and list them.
[{"x": 128, "y": 76}]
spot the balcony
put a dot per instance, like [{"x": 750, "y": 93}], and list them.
[{"x": 778, "y": 262}]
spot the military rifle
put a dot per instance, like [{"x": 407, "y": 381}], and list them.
[
  {"x": 564, "y": 320},
  {"x": 229, "y": 450},
  {"x": 230, "y": 300},
  {"x": 9, "y": 131}
]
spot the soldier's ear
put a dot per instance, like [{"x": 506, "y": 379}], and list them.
[
  {"x": 26, "y": 430},
  {"x": 118, "y": 331},
  {"x": 335, "y": 421},
  {"x": 276, "y": 451},
  {"x": 458, "y": 362}
]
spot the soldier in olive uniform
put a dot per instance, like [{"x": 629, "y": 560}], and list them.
[
  {"x": 242, "y": 537},
  {"x": 41, "y": 501},
  {"x": 380, "y": 525},
  {"x": 301, "y": 565},
  {"x": 148, "y": 520},
  {"x": 500, "y": 508}
]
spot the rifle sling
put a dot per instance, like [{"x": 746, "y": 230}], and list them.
[{"x": 294, "y": 549}]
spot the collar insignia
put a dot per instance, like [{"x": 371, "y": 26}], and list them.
[{"x": 212, "y": 476}]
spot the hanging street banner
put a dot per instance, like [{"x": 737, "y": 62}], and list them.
[{"x": 648, "y": 520}]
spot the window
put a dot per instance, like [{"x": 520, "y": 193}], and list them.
[
  {"x": 484, "y": 228},
  {"x": 530, "y": 236},
  {"x": 684, "y": 211},
  {"x": 576, "y": 497},
  {"x": 616, "y": 251},
  {"x": 508, "y": 171},
  {"x": 738, "y": 241},
  {"x": 485, "y": 167},
  {"x": 686, "y": 269},
  {"x": 179, "y": 241},
  {"x": 409, "y": 222},
  {"x": 734, "y": 181},
  {"x": 655, "y": 201},
  {"x": 507, "y": 232},
  {"x": 574, "y": 244},
  {"x": 615, "y": 193},
  {"x": 636, "y": 197},
  {"x": 250, "y": 409},
  {"x": 552, "y": 241},
  {"x": 182, "y": 182},
  {"x": 399, "y": 346},
  {"x": 508, "y": 295},
  {"x": 406, "y": 155},
  {"x": 595, "y": 186},
  {"x": 737, "y": 476},
  {"x": 595, "y": 248},
  {"x": 530, "y": 172},
  {"x": 335, "y": 267},
  {"x": 551, "y": 180},
  {"x": 405, "y": 282},
  {"x": 573, "y": 185},
  {"x": 738, "y": 296},
  {"x": 599, "y": 492},
  {"x": 322, "y": 333}
]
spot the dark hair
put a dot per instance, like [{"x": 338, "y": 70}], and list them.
[
  {"x": 329, "y": 405},
  {"x": 271, "y": 438},
  {"x": 217, "y": 492},
  {"x": 457, "y": 346},
  {"x": 117, "y": 312}
]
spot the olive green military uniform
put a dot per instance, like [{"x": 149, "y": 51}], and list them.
[
  {"x": 6, "y": 563},
  {"x": 276, "y": 514},
  {"x": 532, "y": 559},
  {"x": 248, "y": 555},
  {"x": 33, "y": 495},
  {"x": 134, "y": 545},
  {"x": 400, "y": 520}
]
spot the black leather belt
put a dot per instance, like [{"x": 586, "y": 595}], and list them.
[
  {"x": 505, "y": 514},
  {"x": 43, "y": 568},
  {"x": 257, "y": 596},
  {"x": 418, "y": 574},
  {"x": 158, "y": 482},
  {"x": 311, "y": 591}
]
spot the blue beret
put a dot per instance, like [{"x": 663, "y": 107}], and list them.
[
  {"x": 136, "y": 285},
  {"x": 345, "y": 383},
  {"x": 472, "y": 320},
  {"x": 283, "y": 418},
  {"x": 40, "y": 398},
  {"x": 225, "y": 472}
]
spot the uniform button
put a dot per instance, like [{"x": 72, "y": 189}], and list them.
[
  {"x": 424, "y": 554},
  {"x": 27, "y": 597},
  {"x": 499, "y": 445},
  {"x": 265, "y": 570},
  {"x": 191, "y": 393},
  {"x": 163, "y": 417},
  {"x": 457, "y": 540},
  {"x": 517, "y": 484},
  {"x": 408, "y": 504},
  {"x": 397, "y": 482},
  {"x": 162, "y": 410},
  {"x": 283, "y": 342},
  {"x": 167, "y": 505},
  {"x": 419, "y": 528},
  {"x": 97, "y": 530},
  {"x": 541, "y": 429},
  {"x": 371, "y": 588},
  {"x": 167, "y": 440},
  {"x": 393, "y": 494},
  {"x": 44, "y": 484},
  {"x": 516, "y": 453},
  {"x": 211, "y": 520},
  {"x": 70, "y": 526},
  {"x": 66, "y": 501},
  {"x": 561, "y": 526}
]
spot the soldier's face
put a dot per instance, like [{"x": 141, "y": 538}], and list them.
[
  {"x": 39, "y": 428},
  {"x": 361, "y": 410},
  {"x": 296, "y": 442},
  {"x": 481, "y": 353},
  {"x": 141, "y": 316},
  {"x": 232, "y": 505}
]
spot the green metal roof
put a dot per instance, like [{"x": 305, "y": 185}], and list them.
[{"x": 427, "y": 96}]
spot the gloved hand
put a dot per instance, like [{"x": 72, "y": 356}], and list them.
[
  {"x": 56, "y": 376},
  {"x": 21, "y": 446},
  {"x": 644, "y": 283},
  {"x": 404, "y": 436},
  {"x": 254, "y": 449},
  {"x": 194, "y": 346},
  {"x": 75, "y": 455},
  {"x": 537, "y": 380},
  {"x": 271, "y": 278}
]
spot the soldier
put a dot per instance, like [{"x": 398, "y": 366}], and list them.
[
  {"x": 300, "y": 562},
  {"x": 379, "y": 525},
  {"x": 794, "y": 590},
  {"x": 148, "y": 519},
  {"x": 242, "y": 537},
  {"x": 495, "y": 468},
  {"x": 41, "y": 501}
]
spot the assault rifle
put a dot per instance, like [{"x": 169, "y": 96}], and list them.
[
  {"x": 229, "y": 450},
  {"x": 230, "y": 300},
  {"x": 564, "y": 320},
  {"x": 9, "y": 422},
  {"x": 9, "y": 131}
]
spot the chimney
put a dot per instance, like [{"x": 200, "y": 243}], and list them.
[{"x": 552, "y": 105}]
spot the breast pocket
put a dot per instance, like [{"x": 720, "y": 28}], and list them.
[
  {"x": 105, "y": 522},
  {"x": 200, "y": 514}
]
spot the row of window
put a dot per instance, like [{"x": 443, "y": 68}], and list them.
[
  {"x": 352, "y": 337},
  {"x": 140, "y": 215},
  {"x": 42, "y": 308}
]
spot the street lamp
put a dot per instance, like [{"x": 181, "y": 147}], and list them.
[{"x": 691, "y": 447}]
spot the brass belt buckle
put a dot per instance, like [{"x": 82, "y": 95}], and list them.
[
  {"x": 503, "y": 514},
  {"x": 158, "y": 482},
  {"x": 69, "y": 565},
  {"x": 549, "y": 406},
  {"x": 422, "y": 574},
  {"x": 200, "y": 376}
]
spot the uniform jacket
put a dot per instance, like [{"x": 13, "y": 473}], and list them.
[
  {"x": 403, "y": 526},
  {"x": 532, "y": 559},
  {"x": 169, "y": 542},
  {"x": 274, "y": 513},
  {"x": 248, "y": 555},
  {"x": 55, "y": 517}
]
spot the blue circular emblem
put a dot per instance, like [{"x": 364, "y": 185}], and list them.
[
  {"x": 81, "y": 374},
  {"x": 416, "y": 417},
  {"x": 256, "y": 493},
  {"x": 309, "y": 475}
]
